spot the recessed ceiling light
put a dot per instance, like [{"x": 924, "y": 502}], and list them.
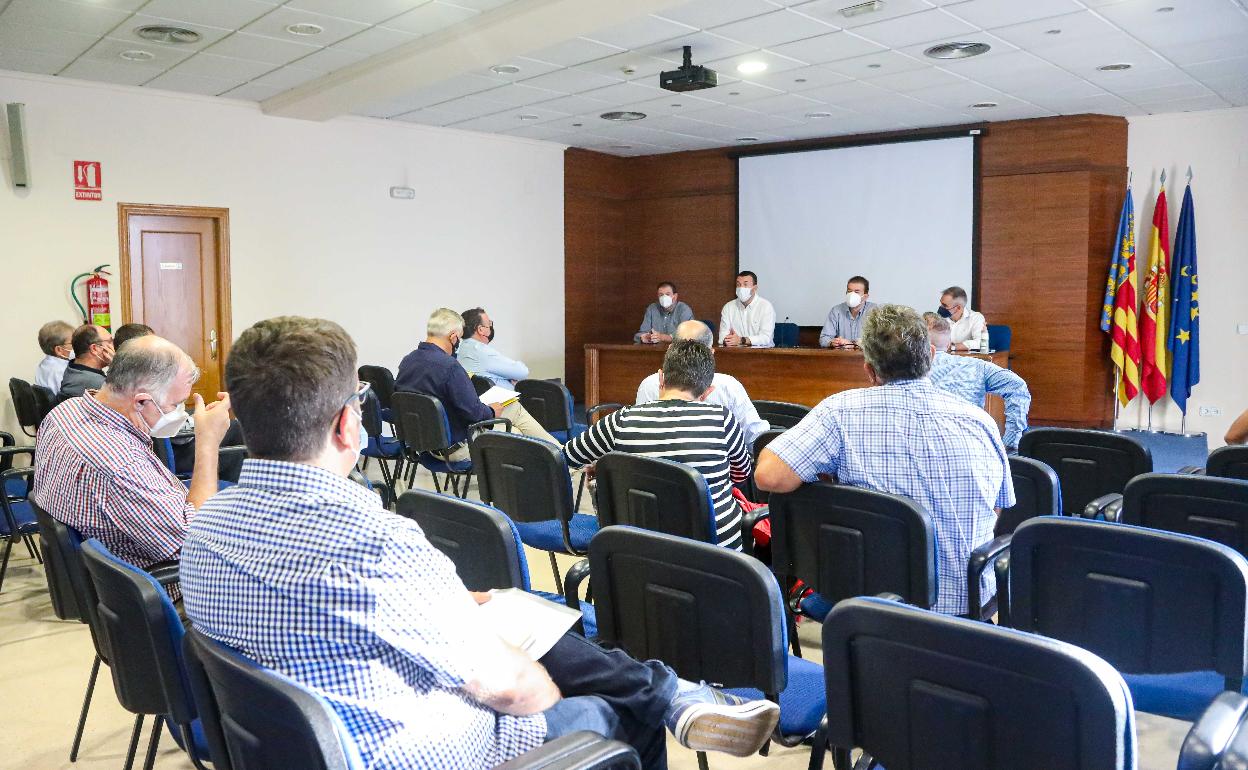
[
  {"x": 818, "y": 115},
  {"x": 857, "y": 10},
  {"x": 504, "y": 69},
  {"x": 751, "y": 67},
  {"x": 304, "y": 29},
  {"x": 1114, "y": 67},
  {"x": 624, "y": 115},
  {"x": 957, "y": 50},
  {"x": 983, "y": 105},
  {"x": 1165, "y": 9},
  {"x": 137, "y": 55},
  {"x": 1052, "y": 32},
  {"x": 874, "y": 66},
  {"x": 526, "y": 116},
  {"x": 747, "y": 138},
  {"x": 162, "y": 33}
]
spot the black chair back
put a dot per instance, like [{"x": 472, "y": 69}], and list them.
[
  {"x": 24, "y": 404},
  {"x": 710, "y": 613},
  {"x": 481, "y": 384},
  {"x": 844, "y": 542},
  {"x": 144, "y": 634},
  {"x": 382, "y": 381},
  {"x": 66, "y": 546},
  {"x": 781, "y": 414},
  {"x": 477, "y": 538},
  {"x": 918, "y": 690},
  {"x": 548, "y": 402},
  {"x": 1203, "y": 506},
  {"x": 1089, "y": 463},
  {"x": 655, "y": 494},
  {"x": 256, "y": 719},
  {"x": 760, "y": 443},
  {"x": 370, "y": 414},
  {"x": 44, "y": 401},
  {"x": 56, "y": 570},
  {"x": 582, "y": 750},
  {"x": 525, "y": 478},
  {"x": 420, "y": 423},
  {"x": 1229, "y": 461},
  {"x": 1037, "y": 493},
  {"x": 1147, "y": 601},
  {"x": 230, "y": 463}
]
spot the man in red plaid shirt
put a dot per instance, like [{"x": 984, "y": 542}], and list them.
[{"x": 94, "y": 465}]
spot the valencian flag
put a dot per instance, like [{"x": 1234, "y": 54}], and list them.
[
  {"x": 1185, "y": 312},
  {"x": 1125, "y": 350},
  {"x": 1154, "y": 326},
  {"x": 1118, "y": 266}
]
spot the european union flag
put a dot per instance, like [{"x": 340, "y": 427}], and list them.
[{"x": 1185, "y": 308}]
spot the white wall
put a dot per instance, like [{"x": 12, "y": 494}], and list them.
[
  {"x": 1215, "y": 145},
  {"x": 313, "y": 230}
]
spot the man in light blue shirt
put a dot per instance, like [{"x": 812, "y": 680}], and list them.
[
  {"x": 843, "y": 329},
  {"x": 478, "y": 357},
  {"x": 973, "y": 378}
]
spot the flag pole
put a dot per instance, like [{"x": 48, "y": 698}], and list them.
[
  {"x": 1114, "y": 396},
  {"x": 1150, "y": 417}
]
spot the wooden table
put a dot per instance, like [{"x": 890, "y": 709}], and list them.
[{"x": 799, "y": 375}]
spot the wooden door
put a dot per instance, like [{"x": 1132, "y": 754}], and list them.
[{"x": 175, "y": 279}]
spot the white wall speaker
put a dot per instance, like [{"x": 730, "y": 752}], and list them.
[{"x": 19, "y": 162}]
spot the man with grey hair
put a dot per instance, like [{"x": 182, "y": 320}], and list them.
[
  {"x": 726, "y": 390},
  {"x": 906, "y": 437},
  {"x": 54, "y": 341},
  {"x": 94, "y": 465},
  {"x": 968, "y": 328},
  {"x": 93, "y": 352},
  {"x": 432, "y": 369}
]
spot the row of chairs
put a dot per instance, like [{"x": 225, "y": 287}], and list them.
[{"x": 31, "y": 403}]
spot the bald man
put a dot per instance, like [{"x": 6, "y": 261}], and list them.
[
  {"x": 726, "y": 390},
  {"x": 93, "y": 352}
]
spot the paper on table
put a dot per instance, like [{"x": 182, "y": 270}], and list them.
[
  {"x": 499, "y": 395},
  {"x": 526, "y": 621}
]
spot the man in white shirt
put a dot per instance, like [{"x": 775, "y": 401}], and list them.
[
  {"x": 478, "y": 357},
  {"x": 970, "y": 329},
  {"x": 749, "y": 320},
  {"x": 54, "y": 341},
  {"x": 726, "y": 390}
]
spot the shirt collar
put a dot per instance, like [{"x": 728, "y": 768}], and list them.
[
  {"x": 304, "y": 479},
  {"x": 430, "y": 346},
  {"x": 85, "y": 368},
  {"x": 110, "y": 416}
]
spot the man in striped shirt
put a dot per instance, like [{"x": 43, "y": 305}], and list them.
[{"x": 680, "y": 426}]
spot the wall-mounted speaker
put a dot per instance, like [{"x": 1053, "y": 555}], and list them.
[{"x": 19, "y": 163}]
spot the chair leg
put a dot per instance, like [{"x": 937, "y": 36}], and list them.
[
  {"x": 702, "y": 763},
  {"x": 4, "y": 566},
  {"x": 842, "y": 759},
  {"x": 794, "y": 642},
  {"x": 34, "y": 548},
  {"x": 86, "y": 705},
  {"x": 437, "y": 487},
  {"x": 580, "y": 488},
  {"x": 29, "y": 549},
  {"x": 819, "y": 746},
  {"x": 152, "y": 743},
  {"x": 554, "y": 567},
  {"x": 134, "y": 742}
]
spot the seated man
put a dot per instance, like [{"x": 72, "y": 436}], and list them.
[
  {"x": 478, "y": 357},
  {"x": 303, "y": 570},
  {"x": 93, "y": 351},
  {"x": 94, "y": 466},
  {"x": 431, "y": 369},
  {"x": 1238, "y": 432},
  {"x": 680, "y": 426},
  {"x": 907, "y": 437},
  {"x": 726, "y": 390},
  {"x": 663, "y": 316},
  {"x": 131, "y": 331},
  {"x": 972, "y": 378},
  {"x": 843, "y": 329},
  {"x": 969, "y": 329},
  {"x": 749, "y": 320},
  {"x": 54, "y": 341}
]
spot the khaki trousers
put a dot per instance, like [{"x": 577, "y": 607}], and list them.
[{"x": 521, "y": 422}]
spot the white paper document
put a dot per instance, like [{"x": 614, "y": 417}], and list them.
[
  {"x": 526, "y": 621},
  {"x": 499, "y": 395}
]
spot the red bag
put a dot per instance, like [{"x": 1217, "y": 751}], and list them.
[{"x": 762, "y": 529}]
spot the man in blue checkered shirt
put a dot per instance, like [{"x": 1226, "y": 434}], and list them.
[
  {"x": 303, "y": 571},
  {"x": 906, "y": 437}
]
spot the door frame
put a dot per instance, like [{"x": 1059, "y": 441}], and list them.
[{"x": 130, "y": 297}]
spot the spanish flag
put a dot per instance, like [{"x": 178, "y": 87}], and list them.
[
  {"x": 1125, "y": 350},
  {"x": 1155, "y": 326}
]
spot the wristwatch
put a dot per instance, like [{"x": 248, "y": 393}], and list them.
[{"x": 746, "y": 341}]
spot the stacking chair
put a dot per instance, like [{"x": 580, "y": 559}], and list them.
[
  {"x": 1203, "y": 506},
  {"x": 1228, "y": 461},
  {"x": 550, "y": 403},
  {"x": 18, "y": 520},
  {"x": 425, "y": 432},
  {"x": 592, "y": 414},
  {"x": 44, "y": 401},
  {"x": 711, "y": 614},
  {"x": 145, "y": 638},
  {"x": 382, "y": 448},
  {"x": 230, "y": 463},
  {"x": 481, "y": 384},
  {"x": 781, "y": 414},
  {"x": 382, "y": 381},
  {"x": 1089, "y": 463},
  {"x": 578, "y": 751},
  {"x": 28, "y": 416},
  {"x": 760, "y": 443},
  {"x": 1037, "y": 492},
  {"x": 527, "y": 479},
  {"x": 999, "y": 336},
  {"x": 1167, "y": 610}
]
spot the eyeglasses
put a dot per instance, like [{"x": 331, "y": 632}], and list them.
[{"x": 361, "y": 391}]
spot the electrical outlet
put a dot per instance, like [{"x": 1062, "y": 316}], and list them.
[{"x": 1211, "y": 411}]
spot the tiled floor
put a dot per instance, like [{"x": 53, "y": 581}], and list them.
[{"x": 46, "y": 663}]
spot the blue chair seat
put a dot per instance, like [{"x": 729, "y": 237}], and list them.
[
  {"x": 815, "y": 607},
  {"x": 803, "y": 702},
  {"x": 1179, "y": 696},
  {"x": 548, "y": 535},
  {"x": 564, "y": 436},
  {"x": 435, "y": 464},
  {"x": 15, "y": 487},
  {"x": 387, "y": 415},
  {"x": 23, "y": 514},
  {"x": 589, "y": 616},
  {"x": 197, "y": 736},
  {"x": 384, "y": 447}
]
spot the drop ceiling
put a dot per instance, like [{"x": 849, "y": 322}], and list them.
[{"x": 827, "y": 73}]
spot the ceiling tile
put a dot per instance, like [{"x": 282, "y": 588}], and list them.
[
  {"x": 43, "y": 40},
  {"x": 1191, "y": 21},
  {"x": 1236, "y": 67},
  {"x": 1024, "y": 75},
  {"x": 504, "y": 121},
  {"x": 997, "y": 47},
  {"x": 737, "y": 92},
  {"x": 266, "y": 49},
  {"x": 428, "y": 117},
  {"x": 1084, "y": 26},
  {"x": 288, "y": 77},
  {"x": 571, "y": 81},
  {"x": 207, "y": 34},
  {"x": 960, "y": 96},
  {"x": 574, "y": 51},
  {"x": 1107, "y": 104},
  {"x": 1204, "y": 50},
  {"x": 621, "y": 95},
  {"x": 519, "y": 94},
  {"x": 375, "y": 40},
  {"x": 782, "y": 26},
  {"x": 738, "y": 117},
  {"x": 110, "y": 50},
  {"x": 274, "y": 25},
  {"x": 120, "y": 72},
  {"x": 466, "y": 107},
  {"x": 774, "y": 62},
  {"x": 829, "y": 11},
  {"x": 780, "y": 104},
  {"x": 704, "y": 14},
  {"x": 876, "y": 65},
  {"x": 849, "y": 90},
  {"x": 367, "y": 11},
  {"x": 481, "y": 6},
  {"x": 1167, "y": 93},
  {"x": 193, "y": 84},
  {"x": 576, "y": 105},
  {"x": 63, "y": 15},
  {"x": 430, "y": 17},
  {"x": 987, "y": 14},
  {"x": 17, "y": 60},
  {"x": 828, "y": 48},
  {"x": 528, "y": 68},
  {"x": 916, "y": 80},
  {"x": 670, "y": 104},
  {"x": 453, "y": 88},
  {"x": 915, "y": 28},
  {"x": 641, "y": 67},
  {"x": 1191, "y": 104},
  {"x": 207, "y": 65},
  {"x": 544, "y": 132},
  {"x": 253, "y": 93},
  {"x": 226, "y": 14},
  {"x": 1139, "y": 78},
  {"x": 640, "y": 32},
  {"x": 800, "y": 79},
  {"x": 330, "y": 59}
]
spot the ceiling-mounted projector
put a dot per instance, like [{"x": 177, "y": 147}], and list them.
[{"x": 688, "y": 77}]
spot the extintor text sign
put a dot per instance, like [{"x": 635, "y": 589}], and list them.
[{"x": 87, "y": 184}]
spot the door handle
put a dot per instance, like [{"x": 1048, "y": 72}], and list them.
[{"x": 212, "y": 343}]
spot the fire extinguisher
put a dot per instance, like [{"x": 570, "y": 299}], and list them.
[{"x": 97, "y": 310}]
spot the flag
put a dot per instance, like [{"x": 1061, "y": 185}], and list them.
[
  {"x": 1154, "y": 326},
  {"x": 1125, "y": 350},
  {"x": 1118, "y": 263},
  {"x": 1185, "y": 311}
]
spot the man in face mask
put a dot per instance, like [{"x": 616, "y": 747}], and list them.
[
  {"x": 93, "y": 352},
  {"x": 663, "y": 316},
  {"x": 749, "y": 320},
  {"x": 94, "y": 465},
  {"x": 54, "y": 341},
  {"x": 969, "y": 328},
  {"x": 478, "y": 357},
  {"x": 843, "y": 328}
]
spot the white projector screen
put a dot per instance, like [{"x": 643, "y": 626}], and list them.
[{"x": 901, "y": 214}]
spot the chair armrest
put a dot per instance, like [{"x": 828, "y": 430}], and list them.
[
  {"x": 572, "y": 589},
  {"x": 1192, "y": 470},
  {"x": 748, "y": 520},
  {"x": 892, "y": 597},
  {"x": 6, "y": 438},
  {"x": 14, "y": 451},
  {"x": 582, "y": 750},
  {"x": 596, "y": 408},
  {"x": 487, "y": 423},
  {"x": 166, "y": 572},
  {"x": 1002, "y": 567},
  {"x": 981, "y": 559},
  {"x": 1101, "y": 507},
  {"x": 1213, "y": 731}
]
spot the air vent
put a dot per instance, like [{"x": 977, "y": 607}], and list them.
[
  {"x": 1114, "y": 67},
  {"x": 136, "y": 55},
  {"x": 983, "y": 105},
  {"x": 304, "y": 29},
  {"x": 957, "y": 50},
  {"x": 160, "y": 33},
  {"x": 504, "y": 69},
  {"x": 622, "y": 116}
]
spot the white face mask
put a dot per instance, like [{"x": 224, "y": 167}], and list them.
[
  {"x": 853, "y": 299},
  {"x": 169, "y": 423},
  {"x": 363, "y": 440},
  {"x": 744, "y": 293},
  {"x": 665, "y": 301}
]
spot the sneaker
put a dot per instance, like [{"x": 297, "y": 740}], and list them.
[{"x": 707, "y": 719}]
